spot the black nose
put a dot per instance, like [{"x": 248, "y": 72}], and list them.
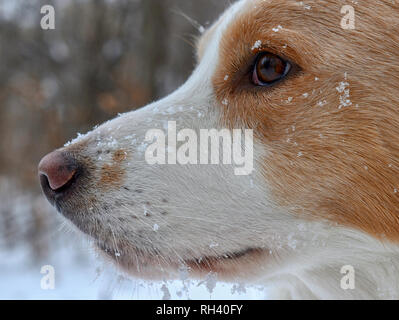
[{"x": 57, "y": 171}]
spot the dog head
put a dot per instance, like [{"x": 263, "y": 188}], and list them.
[{"x": 322, "y": 103}]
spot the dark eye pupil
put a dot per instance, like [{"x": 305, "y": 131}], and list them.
[{"x": 269, "y": 68}]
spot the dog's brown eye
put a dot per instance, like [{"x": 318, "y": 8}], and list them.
[{"x": 269, "y": 68}]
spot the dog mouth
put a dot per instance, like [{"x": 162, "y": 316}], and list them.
[
  {"x": 148, "y": 263},
  {"x": 151, "y": 264},
  {"x": 225, "y": 264},
  {"x": 144, "y": 261}
]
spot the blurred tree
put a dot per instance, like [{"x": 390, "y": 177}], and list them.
[
  {"x": 153, "y": 43},
  {"x": 103, "y": 58}
]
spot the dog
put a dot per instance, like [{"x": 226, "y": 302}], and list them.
[{"x": 317, "y": 218}]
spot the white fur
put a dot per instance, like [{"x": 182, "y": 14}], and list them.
[{"x": 212, "y": 212}]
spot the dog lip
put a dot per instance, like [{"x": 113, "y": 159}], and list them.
[
  {"x": 228, "y": 266},
  {"x": 143, "y": 264},
  {"x": 197, "y": 263},
  {"x": 225, "y": 257}
]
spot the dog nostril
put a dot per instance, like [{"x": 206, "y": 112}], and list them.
[{"x": 58, "y": 169}]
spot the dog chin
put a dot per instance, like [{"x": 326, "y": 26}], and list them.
[{"x": 243, "y": 265}]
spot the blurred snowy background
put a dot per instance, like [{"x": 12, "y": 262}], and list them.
[{"x": 103, "y": 58}]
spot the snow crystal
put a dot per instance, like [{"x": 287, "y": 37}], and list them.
[
  {"x": 257, "y": 45},
  {"x": 211, "y": 280},
  {"x": 342, "y": 86},
  {"x": 344, "y": 100},
  {"x": 156, "y": 227},
  {"x": 322, "y": 103},
  {"x": 238, "y": 288},
  {"x": 305, "y": 95},
  {"x": 305, "y": 6},
  {"x": 277, "y": 29},
  {"x": 77, "y": 139},
  {"x": 225, "y": 102},
  {"x": 226, "y": 77},
  {"x": 166, "y": 293}
]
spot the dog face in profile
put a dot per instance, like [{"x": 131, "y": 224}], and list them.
[{"x": 322, "y": 102}]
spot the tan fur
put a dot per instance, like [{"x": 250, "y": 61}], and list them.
[
  {"x": 112, "y": 175},
  {"x": 335, "y": 163}
]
